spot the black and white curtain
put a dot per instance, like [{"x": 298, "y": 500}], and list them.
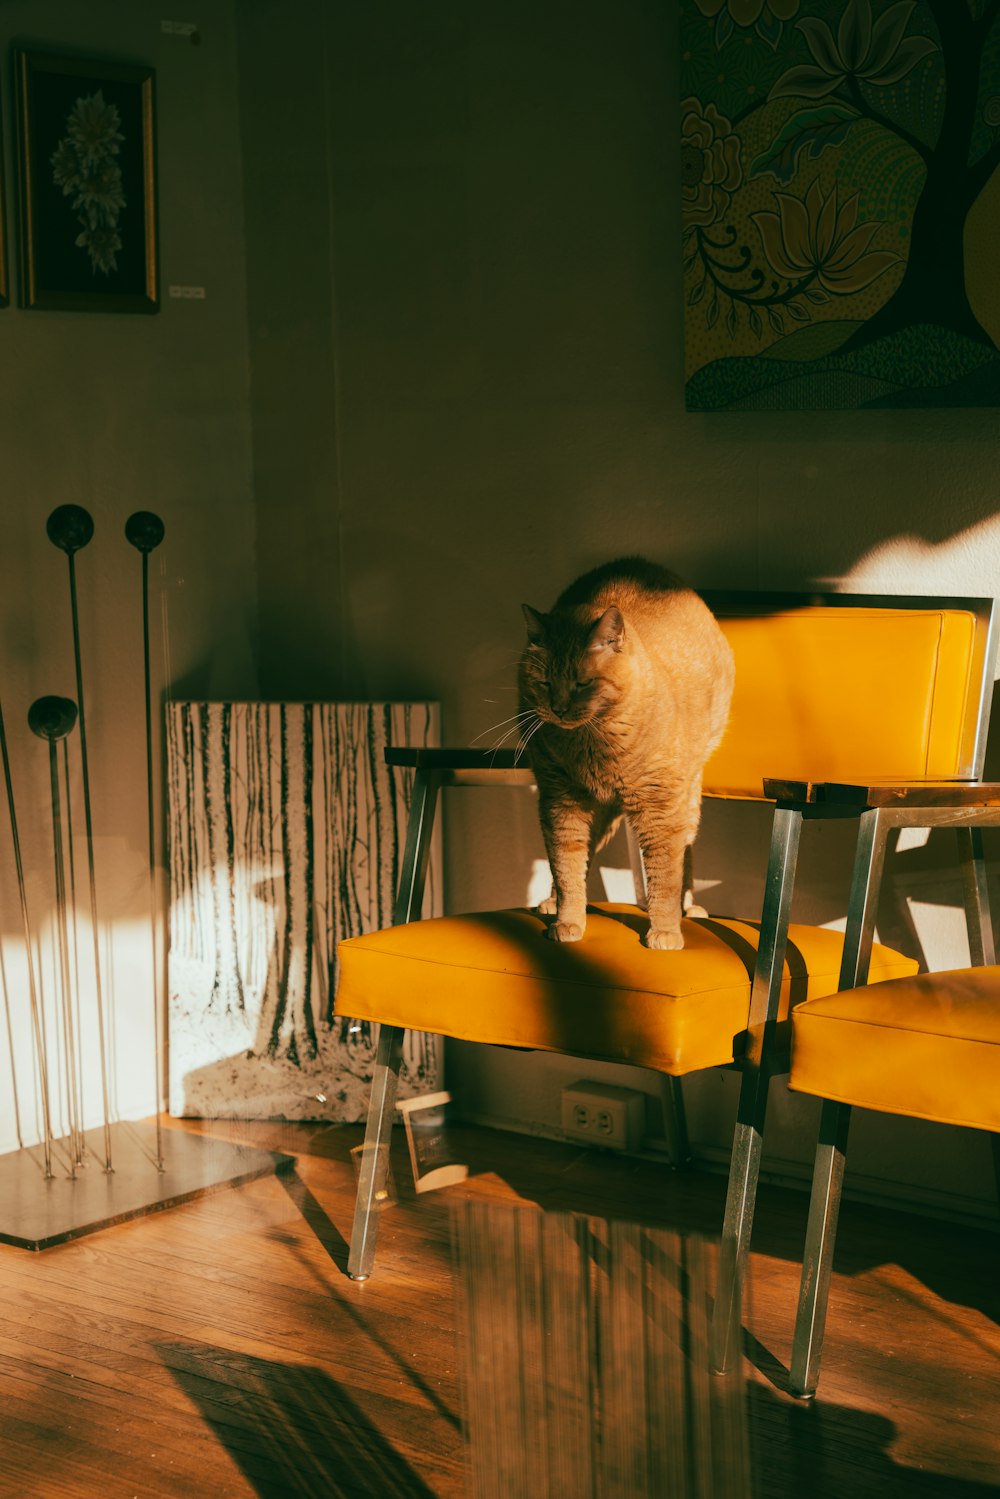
[{"x": 286, "y": 830}]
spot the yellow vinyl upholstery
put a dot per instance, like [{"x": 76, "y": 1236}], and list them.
[
  {"x": 493, "y": 977},
  {"x": 927, "y": 1046},
  {"x": 827, "y": 693}
]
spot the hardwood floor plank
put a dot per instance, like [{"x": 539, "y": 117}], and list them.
[{"x": 225, "y": 1338}]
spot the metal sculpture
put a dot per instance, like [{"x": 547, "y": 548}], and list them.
[
  {"x": 70, "y": 528},
  {"x": 145, "y": 531},
  {"x": 52, "y": 718},
  {"x": 36, "y": 1021}
]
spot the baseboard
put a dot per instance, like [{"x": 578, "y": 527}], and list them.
[{"x": 950, "y": 1207}]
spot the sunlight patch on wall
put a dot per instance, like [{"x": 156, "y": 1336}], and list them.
[
  {"x": 942, "y": 932},
  {"x": 966, "y": 565},
  {"x": 539, "y": 883},
  {"x": 911, "y": 838}
]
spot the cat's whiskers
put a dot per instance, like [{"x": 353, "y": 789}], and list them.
[
  {"x": 521, "y": 729},
  {"x": 517, "y": 729},
  {"x": 526, "y": 738},
  {"x": 515, "y": 719}
]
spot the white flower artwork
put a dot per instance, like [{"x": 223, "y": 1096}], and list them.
[
  {"x": 286, "y": 831},
  {"x": 85, "y": 166}
]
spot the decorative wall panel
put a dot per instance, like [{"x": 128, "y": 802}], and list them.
[
  {"x": 286, "y": 833},
  {"x": 840, "y": 202}
]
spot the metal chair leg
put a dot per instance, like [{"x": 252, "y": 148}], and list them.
[
  {"x": 831, "y": 1150},
  {"x": 866, "y": 882},
  {"x": 675, "y": 1121},
  {"x": 417, "y": 849},
  {"x": 744, "y": 1168},
  {"x": 817, "y": 1259},
  {"x": 982, "y": 949},
  {"x": 374, "y": 1172},
  {"x": 375, "y": 1152},
  {"x": 734, "y": 1249}
]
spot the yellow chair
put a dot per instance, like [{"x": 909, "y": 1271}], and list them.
[
  {"x": 925, "y": 1046},
  {"x": 829, "y": 689}
]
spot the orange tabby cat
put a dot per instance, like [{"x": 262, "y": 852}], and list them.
[{"x": 628, "y": 680}]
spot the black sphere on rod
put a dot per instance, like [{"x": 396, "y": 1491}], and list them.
[
  {"x": 52, "y": 717},
  {"x": 70, "y": 527},
  {"x": 144, "y": 530}
]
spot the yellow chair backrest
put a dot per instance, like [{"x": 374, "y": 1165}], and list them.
[{"x": 853, "y": 688}]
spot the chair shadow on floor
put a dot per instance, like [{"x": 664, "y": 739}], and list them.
[
  {"x": 828, "y": 1451},
  {"x": 293, "y": 1430}
]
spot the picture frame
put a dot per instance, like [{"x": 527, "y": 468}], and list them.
[
  {"x": 4, "y": 270},
  {"x": 87, "y": 183},
  {"x": 431, "y": 1154}
]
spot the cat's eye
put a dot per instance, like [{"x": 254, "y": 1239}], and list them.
[{"x": 583, "y": 686}]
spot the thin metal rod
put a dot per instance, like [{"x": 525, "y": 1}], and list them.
[
  {"x": 71, "y": 862},
  {"x": 88, "y": 820},
  {"x": 157, "y": 1060},
  {"x": 765, "y": 998},
  {"x": 36, "y": 1024},
  {"x": 62, "y": 933}
]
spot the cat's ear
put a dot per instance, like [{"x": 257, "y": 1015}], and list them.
[
  {"x": 535, "y": 623},
  {"x": 609, "y": 631}
]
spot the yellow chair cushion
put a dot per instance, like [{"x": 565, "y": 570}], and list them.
[
  {"x": 494, "y": 977},
  {"x": 927, "y": 1046}
]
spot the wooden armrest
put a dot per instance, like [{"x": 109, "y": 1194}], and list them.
[
  {"x": 450, "y": 759},
  {"x": 863, "y": 796},
  {"x": 464, "y": 767}
]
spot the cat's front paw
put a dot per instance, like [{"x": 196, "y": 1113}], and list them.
[
  {"x": 547, "y": 907},
  {"x": 662, "y": 939},
  {"x": 695, "y": 911},
  {"x": 564, "y": 931}
]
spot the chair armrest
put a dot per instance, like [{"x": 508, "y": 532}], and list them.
[
  {"x": 471, "y": 766},
  {"x": 863, "y": 796},
  {"x": 449, "y": 759},
  {"x": 464, "y": 767}
]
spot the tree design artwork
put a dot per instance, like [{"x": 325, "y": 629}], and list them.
[
  {"x": 837, "y": 166},
  {"x": 285, "y": 832}
]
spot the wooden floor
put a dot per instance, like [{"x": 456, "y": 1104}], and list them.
[{"x": 219, "y": 1349}]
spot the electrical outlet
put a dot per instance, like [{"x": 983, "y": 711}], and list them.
[{"x": 603, "y": 1114}]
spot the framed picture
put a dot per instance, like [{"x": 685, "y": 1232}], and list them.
[
  {"x": 4, "y": 284},
  {"x": 86, "y": 157}
]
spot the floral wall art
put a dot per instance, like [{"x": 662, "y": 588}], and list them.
[
  {"x": 86, "y": 175},
  {"x": 840, "y": 203}
]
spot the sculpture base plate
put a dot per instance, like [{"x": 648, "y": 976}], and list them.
[{"x": 38, "y": 1212}]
